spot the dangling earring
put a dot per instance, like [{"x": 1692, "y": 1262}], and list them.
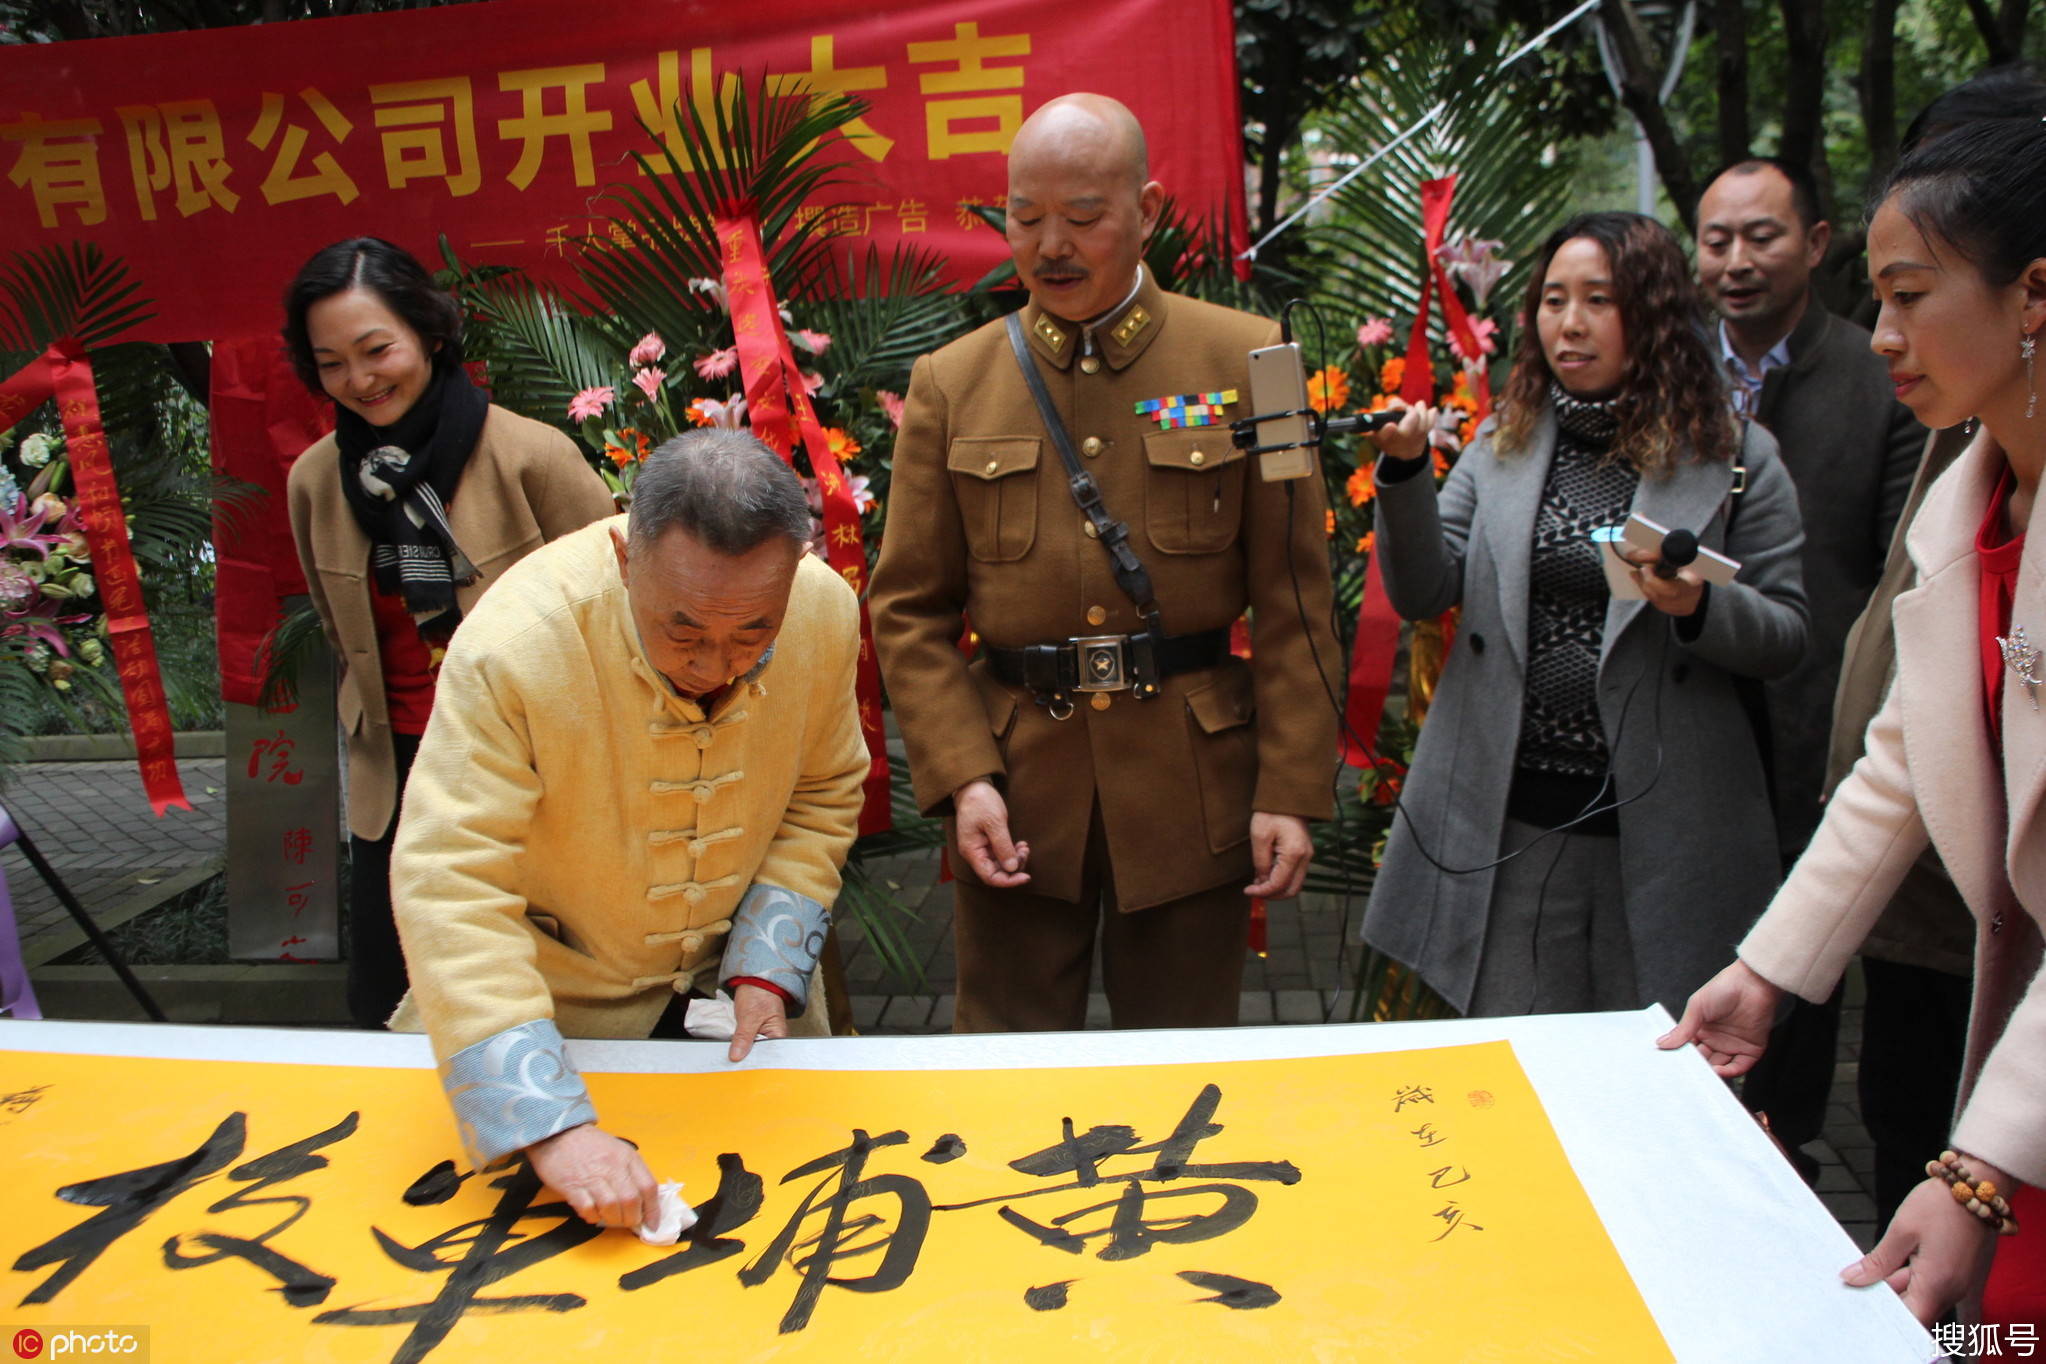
[{"x": 2029, "y": 348}]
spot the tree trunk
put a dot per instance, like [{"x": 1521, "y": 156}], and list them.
[
  {"x": 1804, "y": 32},
  {"x": 1730, "y": 30},
  {"x": 1639, "y": 79},
  {"x": 1280, "y": 99},
  {"x": 2012, "y": 22},
  {"x": 1879, "y": 87}
]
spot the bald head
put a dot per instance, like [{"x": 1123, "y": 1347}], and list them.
[
  {"x": 1093, "y": 131},
  {"x": 1081, "y": 204}
]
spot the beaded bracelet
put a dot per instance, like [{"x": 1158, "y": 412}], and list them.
[{"x": 1977, "y": 1196}]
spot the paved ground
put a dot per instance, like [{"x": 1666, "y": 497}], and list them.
[
  {"x": 93, "y": 824},
  {"x": 91, "y": 820}
]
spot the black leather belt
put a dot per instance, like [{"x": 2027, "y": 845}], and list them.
[{"x": 1101, "y": 662}]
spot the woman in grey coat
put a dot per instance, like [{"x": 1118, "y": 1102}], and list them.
[{"x": 1587, "y": 822}]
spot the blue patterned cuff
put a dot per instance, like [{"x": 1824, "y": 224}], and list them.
[
  {"x": 514, "y": 1089},
  {"x": 776, "y": 936}
]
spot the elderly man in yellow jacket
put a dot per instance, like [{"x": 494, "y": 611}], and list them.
[{"x": 641, "y": 777}]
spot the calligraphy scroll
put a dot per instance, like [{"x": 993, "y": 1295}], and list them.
[
  {"x": 64, "y": 373},
  {"x": 1408, "y": 1205}
]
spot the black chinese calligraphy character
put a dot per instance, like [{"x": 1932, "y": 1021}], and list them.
[
  {"x": 1438, "y": 1179},
  {"x": 1411, "y": 1094},
  {"x": 301, "y": 1285},
  {"x": 22, "y": 1100},
  {"x": 1133, "y": 1224},
  {"x": 1455, "y": 1217},
  {"x": 491, "y": 1257},
  {"x": 1050, "y": 1298},
  {"x": 1428, "y": 1135},
  {"x": 737, "y": 1202},
  {"x": 844, "y": 1236},
  {"x": 126, "y": 1201},
  {"x": 1230, "y": 1291}
]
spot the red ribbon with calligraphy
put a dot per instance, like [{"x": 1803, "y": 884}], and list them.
[
  {"x": 778, "y": 408},
  {"x": 64, "y": 373}
]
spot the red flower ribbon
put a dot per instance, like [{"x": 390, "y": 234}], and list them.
[
  {"x": 778, "y": 407},
  {"x": 64, "y": 373}
]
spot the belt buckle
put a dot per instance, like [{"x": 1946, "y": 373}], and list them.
[{"x": 1103, "y": 662}]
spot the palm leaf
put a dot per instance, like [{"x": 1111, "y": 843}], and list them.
[
  {"x": 883, "y": 314},
  {"x": 1513, "y": 178},
  {"x": 540, "y": 348},
  {"x": 67, "y": 289},
  {"x": 761, "y": 153}
]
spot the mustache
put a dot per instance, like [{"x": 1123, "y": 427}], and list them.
[{"x": 1052, "y": 272}]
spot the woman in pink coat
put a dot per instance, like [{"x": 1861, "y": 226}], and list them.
[{"x": 1957, "y": 250}]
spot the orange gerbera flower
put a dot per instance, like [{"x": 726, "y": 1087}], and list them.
[
  {"x": 1392, "y": 374},
  {"x": 1370, "y": 541},
  {"x": 636, "y": 447},
  {"x": 1361, "y": 487},
  {"x": 1330, "y": 533},
  {"x": 843, "y": 446},
  {"x": 1328, "y": 390}
]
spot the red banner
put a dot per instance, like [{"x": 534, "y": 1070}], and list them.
[
  {"x": 64, "y": 373},
  {"x": 779, "y": 411},
  {"x": 214, "y": 162},
  {"x": 263, "y": 418}
]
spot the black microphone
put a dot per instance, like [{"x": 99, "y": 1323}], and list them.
[{"x": 1679, "y": 548}]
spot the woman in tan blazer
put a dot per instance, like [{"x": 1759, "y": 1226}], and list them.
[
  {"x": 1957, "y": 755},
  {"x": 421, "y": 498}
]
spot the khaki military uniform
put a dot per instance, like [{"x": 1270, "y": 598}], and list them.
[{"x": 1136, "y": 804}]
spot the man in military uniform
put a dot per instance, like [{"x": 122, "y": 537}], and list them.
[{"x": 1100, "y": 775}]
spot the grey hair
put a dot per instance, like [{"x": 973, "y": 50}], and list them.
[{"x": 725, "y": 488}]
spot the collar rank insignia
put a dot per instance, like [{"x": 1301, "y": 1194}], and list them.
[
  {"x": 1050, "y": 333},
  {"x": 1132, "y": 323},
  {"x": 1188, "y": 409}
]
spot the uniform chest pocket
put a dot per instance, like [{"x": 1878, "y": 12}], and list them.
[
  {"x": 995, "y": 479},
  {"x": 1193, "y": 490}
]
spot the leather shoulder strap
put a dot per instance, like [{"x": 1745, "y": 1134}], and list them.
[{"x": 1130, "y": 574}]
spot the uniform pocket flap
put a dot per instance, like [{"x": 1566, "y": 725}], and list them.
[
  {"x": 993, "y": 457},
  {"x": 1206, "y": 447},
  {"x": 1222, "y": 704}
]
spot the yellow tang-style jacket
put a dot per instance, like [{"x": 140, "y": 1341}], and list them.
[{"x": 577, "y": 841}]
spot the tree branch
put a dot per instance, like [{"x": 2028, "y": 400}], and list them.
[
  {"x": 1730, "y": 34},
  {"x": 1804, "y": 80},
  {"x": 1991, "y": 28},
  {"x": 1639, "y": 82},
  {"x": 1879, "y": 87}
]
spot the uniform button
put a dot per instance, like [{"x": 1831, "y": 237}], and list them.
[
  {"x": 1477, "y": 642},
  {"x": 994, "y": 465},
  {"x": 1096, "y": 615},
  {"x": 1087, "y": 528},
  {"x": 1091, "y": 446},
  {"x": 1100, "y": 700},
  {"x": 1196, "y": 459},
  {"x": 1090, "y": 365}
]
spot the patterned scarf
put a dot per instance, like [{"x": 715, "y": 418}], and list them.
[{"x": 398, "y": 480}]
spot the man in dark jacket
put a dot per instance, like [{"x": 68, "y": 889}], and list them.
[{"x": 1851, "y": 449}]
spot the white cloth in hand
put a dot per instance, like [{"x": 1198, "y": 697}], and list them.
[
  {"x": 713, "y": 1020},
  {"x": 672, "y": 1217}
]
